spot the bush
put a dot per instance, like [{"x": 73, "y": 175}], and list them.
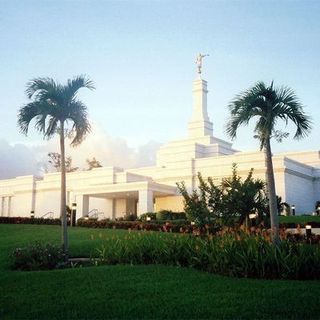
[
  {"x": 38, "y": 257},
  {"x": 130, "y": 217},
  {"x": 226, "y": 204},
  {"x": 232, "y": 254},
  {"x": 154, "y": 225},
  {"x": 151, "y": 215},
  {"x": 27, "y": 220}
]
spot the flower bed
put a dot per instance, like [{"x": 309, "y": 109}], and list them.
[
  {"x": 27, "y": 220},
  {"x": 234, "y": 254}
]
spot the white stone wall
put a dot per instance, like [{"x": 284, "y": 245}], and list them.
[{"x": 299, "y": 193}]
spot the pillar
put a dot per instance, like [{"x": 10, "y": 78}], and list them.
[
  {"x": 9, "y": 207},
  {"x": 145, "y": 201},
  {"x": 82, "y": 202},
  {"x": 200, "y": 124},
  {"x": 2, "y": 206}
]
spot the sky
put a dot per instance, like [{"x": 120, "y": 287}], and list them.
[{"x": 140, "y": 55}]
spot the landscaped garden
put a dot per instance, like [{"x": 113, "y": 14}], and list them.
[{"x": 136, "y": 291}]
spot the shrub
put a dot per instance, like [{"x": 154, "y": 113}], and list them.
[
  {"x": 228, "y": 203},
  {"x": 27, "y": 220},
  {"x": 38, "y": 257},
  {"x": 130, "y": 217},
  {"x": 151, "y": 215},
  {"x": 154, "y": 225},
  {"x": 232, "y": 254},
  {"x": 164, "y": 215}
]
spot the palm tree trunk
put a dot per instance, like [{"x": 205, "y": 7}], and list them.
[
  {"x": 272, "y": 193},
  {"x": 63, "y": 204}
]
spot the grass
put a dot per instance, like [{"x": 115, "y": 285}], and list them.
[
  {"x": 299, "y": 219},
  {"x": 136, "y": 292}
]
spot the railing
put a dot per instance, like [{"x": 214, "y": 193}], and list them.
[
  {"x": 48, "y": 215},
  {"x": 94, "y": 213}
]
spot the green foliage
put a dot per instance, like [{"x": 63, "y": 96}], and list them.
[
  {"x": 26, "y": 220},
  {"x": 283, "y": 207},
  {"x": 130, "y": 217},
  {"x": 232, "y": 254},
  {"x": 163, "y": 215},
  {"x": 170, "y": 215},
  {"x": 268, "y": 104},
  {"x": 152, "y": 225},
  {"x": 144, "y": 216},
  {"x": 229, "y": 203},
  {"x": 195, "y": 205},
  {"x": 55, "y": 161},
  {"x": 241, "y": 198},
  {"x": 38, "y": 257},
  {"x": 101, "y": 290},
  {"x": 55, "y": 109}
]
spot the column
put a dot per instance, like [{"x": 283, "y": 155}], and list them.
[
  {"x": 145, "y": 201},
  {"x": 200, "y": 124},
  {"x": 2, "y": 206},
  {"x": 82, "y": 202},
  {"x": 9, "y": 207},
  {"x": 113, "y": 209},
  {"x": 5, "y": 206}
]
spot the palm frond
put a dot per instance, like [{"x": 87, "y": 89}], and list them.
[
  {"x": 269, "y": 105},
  {"x": 81, "y": 126},
  {"x": 73, "y": 86}
]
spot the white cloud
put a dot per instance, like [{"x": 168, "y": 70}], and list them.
[
  {"x": 20, "y": 159},
  {"x": 16, "y": 160}
]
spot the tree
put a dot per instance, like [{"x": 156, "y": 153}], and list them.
[
  {"x": 55, "y": 161},
  {"x": 230, "y": 203},
  {"x": 268, "y": 105},
  {"x": 56, "y": 109},
  {"x": 93, "y": 163},
  {"x": 282, "y": 206},
  {"x": 240, "y": 198}
]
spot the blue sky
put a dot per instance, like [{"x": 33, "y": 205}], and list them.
[{"x": 141, "y": 55}]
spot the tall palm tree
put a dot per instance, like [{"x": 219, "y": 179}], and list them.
[
  {"x": 56, "y": 110},
  {"x": 268, "y": 105}
]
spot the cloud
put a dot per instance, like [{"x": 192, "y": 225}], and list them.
[
  {"x": 16, "y": 160},
  {"x": 20, "y": 159}
]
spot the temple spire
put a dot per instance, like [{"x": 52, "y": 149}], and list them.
[{"x": 200, "y": 124}]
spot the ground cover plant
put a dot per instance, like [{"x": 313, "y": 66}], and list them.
[
  {"x": 131, "y": 292},
  {"x": 227, "y": 253}
]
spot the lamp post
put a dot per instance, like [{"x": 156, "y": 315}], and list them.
[
  {"x": 293, "y": 210},
  {"x": 318, "y": 211},
  {"x": 32, "y": 214},
  {"x": 148, "y": 218},
  {"x": 308, "y": 231},
  {"x": 73, "y": 214},
  {"x": 252, "y": 217}
]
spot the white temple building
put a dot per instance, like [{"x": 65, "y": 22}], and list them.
[{"x": 115, "y": 192}]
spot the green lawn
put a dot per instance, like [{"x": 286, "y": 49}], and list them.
[
  {"x": 299, "y": 219},
  {"x": 124, "y": 291}
]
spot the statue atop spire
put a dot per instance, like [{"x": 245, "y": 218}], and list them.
[{"x": 198, "y": 62}]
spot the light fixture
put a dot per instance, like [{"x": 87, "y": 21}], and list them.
[
  {"x": 252, "y": 215},
  {"x": 148, "y": 218},
  {"x": 74, "y": 206},
  {"x": 308, "y": 231}
]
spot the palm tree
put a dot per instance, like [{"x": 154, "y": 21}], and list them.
[
  {"x": 56, "y": 110},
  {"x": 268, "y": 105}
]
